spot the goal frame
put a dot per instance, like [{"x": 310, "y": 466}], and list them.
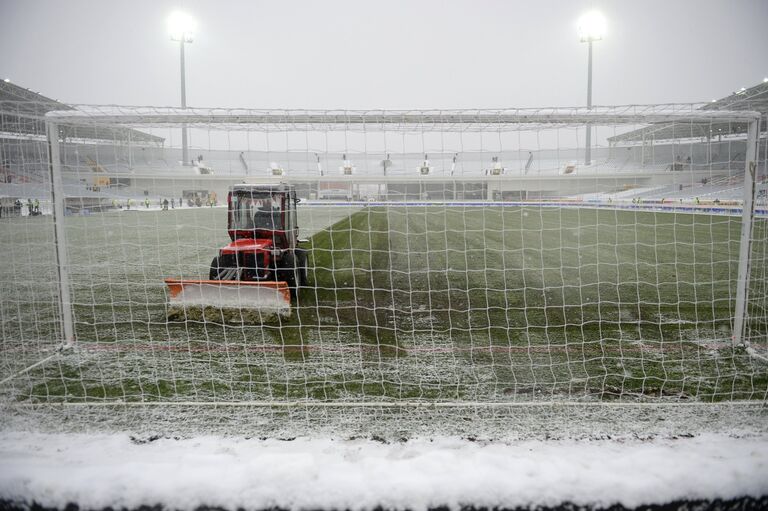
[{"x": 409, "y": 120}]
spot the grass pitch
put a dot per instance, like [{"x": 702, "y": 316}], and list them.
[{"x": 439, "y": 302}]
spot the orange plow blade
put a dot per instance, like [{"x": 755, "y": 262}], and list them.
[{"x": 265, "y": 298}]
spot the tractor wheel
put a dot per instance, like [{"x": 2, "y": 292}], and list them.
[
  {"x": 213, "y": 274},
  {"x": 223, "y": 268},
  {"x": 287, "y": 271},
  {"x": 301, "y": 266}
]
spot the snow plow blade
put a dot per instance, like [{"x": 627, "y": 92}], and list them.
[{"x": 231, "y": 301}]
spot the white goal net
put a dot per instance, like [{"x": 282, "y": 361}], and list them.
[{"x": 399, "y": 272}]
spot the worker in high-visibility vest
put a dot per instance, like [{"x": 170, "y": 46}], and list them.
[
  {"x": 37, "y": 206},
  {"x": 146, "y": 202},
  {"x": 128, "y": 204}
]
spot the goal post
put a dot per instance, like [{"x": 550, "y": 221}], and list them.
[
  {"x": 436, "y": 259},
  {"x": 58, "y": 201},
  {"x": 748, "y": 214}
]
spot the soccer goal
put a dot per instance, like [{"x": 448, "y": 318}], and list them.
[{"x": 384, "y": 272}]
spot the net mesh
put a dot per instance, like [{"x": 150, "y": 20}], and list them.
[{"x": 466, "y": 271}]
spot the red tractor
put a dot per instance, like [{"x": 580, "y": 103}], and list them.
[{"x": 263, "y": 265}]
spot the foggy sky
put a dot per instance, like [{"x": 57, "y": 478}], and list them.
[{"x": 383, "y": 54}]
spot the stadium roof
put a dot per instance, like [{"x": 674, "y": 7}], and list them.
[
  {"x": 22, "y": 112},
  {"x": 753, "y": 99}
]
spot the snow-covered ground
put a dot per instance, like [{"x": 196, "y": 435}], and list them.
[{"x": 116, "y": 470}]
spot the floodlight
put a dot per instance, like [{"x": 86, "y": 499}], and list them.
[
  {"x": 181, "y": 26},
  {"x": 7, "y": 80},
  {"x": 591, "y": 27}
]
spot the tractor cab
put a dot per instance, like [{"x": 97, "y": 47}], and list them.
[
  {"x": 261, "y": 222},
  {"x": 263, "y": 212}
]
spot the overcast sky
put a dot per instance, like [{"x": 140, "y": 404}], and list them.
[{"x": 385, "y": 53}]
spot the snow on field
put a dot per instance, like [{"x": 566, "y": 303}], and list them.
[{"x": 115, "y": 470}]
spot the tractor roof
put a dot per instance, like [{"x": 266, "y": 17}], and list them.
[{"x": 281, "y": 187}]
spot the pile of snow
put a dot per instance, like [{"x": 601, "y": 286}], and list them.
[{"x": 100, "y": 470}]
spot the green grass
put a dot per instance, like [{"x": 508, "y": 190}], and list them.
[{"x": 405, "y": 303}]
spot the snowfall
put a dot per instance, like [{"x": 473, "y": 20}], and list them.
[{"x": 120, "y": 471}]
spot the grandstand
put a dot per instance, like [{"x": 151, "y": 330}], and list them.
[
  {"x": 93, "y": 157},
  {"x": 103, "y": 164},
  {"x": 713, "y": 153}
]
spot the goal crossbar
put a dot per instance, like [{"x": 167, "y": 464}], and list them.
[{"x": 394, "y": 118}]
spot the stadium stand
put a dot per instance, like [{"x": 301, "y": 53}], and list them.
[
  {"x": 660, "y": 161},
  {"x": 754, "y": 98},
  {"x": 717, "y": 148},
  {"x": 23, "y": 149}
]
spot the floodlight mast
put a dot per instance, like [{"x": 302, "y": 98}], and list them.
[
  {"x": 182, "y": 27},
  {"x": 591, "y": 28}
]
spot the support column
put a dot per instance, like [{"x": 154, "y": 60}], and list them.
[
  {"x": 184, "y": 142},
  {"x": 588, "y": 152}
]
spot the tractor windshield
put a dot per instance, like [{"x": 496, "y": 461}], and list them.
[{"x": 257, "y": 211}]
